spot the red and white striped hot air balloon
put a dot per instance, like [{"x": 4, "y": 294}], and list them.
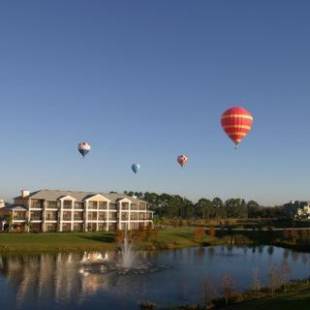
[
  {"x": 237, "y": 123},
  {"x": 182, "y": 160}
]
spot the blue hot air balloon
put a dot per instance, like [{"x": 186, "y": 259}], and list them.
[
  {"x": 135, "y": 168},
  {"x": 84, "y": 148}
]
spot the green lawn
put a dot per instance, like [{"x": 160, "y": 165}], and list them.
[
  {"x": 51, "y": 242},
  {"x": 168, "y": 238},
  {"x": 178, "y": 237},
  {"x": 296, "y": 300}
]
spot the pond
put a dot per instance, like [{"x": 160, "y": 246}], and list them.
[{"x": 53, "y": 281}]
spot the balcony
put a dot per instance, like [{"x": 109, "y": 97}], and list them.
[
  {"x": 51, "y": 218},
  {"x": 36, "y": 218},
  {"x": 19, "y": 218},
  {"x": 37, "y": 204},
  {"x": 52, "y": 205}
]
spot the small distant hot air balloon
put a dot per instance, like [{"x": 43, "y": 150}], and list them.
[
  {"x": 182, "y": 160},
  {"x": 237, "y": 122},
  {"x": 84, "y": 148},
  {"x": 135, "y": 168}
]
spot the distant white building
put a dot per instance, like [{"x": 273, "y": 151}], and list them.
[
  {"x": 303, "y": 213},
  {"x": 2, "y": 203}
]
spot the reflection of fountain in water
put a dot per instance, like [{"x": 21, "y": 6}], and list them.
[{"x": 94, "y": 257}]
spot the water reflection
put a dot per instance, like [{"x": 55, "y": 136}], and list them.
[
  {"x": 47, "y": 281},
  {"x": 48, "y": 276}
]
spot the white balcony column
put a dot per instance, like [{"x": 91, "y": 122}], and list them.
[
  {"x": 44, "y": 216},
  {"x": 129, "y": 216},
  {"x": 61, "y": 215},
  {"x": 86, "y": 216},
  {"x": 29, "y": 215},
  {"x": 120, "y": 216},
  {"x": 72, "y": 216},
  {"x": 107, "y": 216},
  {"x": 97, "y": 218}
]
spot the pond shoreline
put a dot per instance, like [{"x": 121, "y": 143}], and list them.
[
  {"x": 296, "y": 292},
  {"x": 165, "y": 239}
]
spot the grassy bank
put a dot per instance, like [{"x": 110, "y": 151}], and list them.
[
  {"x": 298, "y": 298},
  {"x": 168, "y": 238},
  {"x": 292, "y": 295},
  {"x": 54, "y": 242}
]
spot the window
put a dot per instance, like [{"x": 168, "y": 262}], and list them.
[
  {"x": 112, "y": 206},
  {"x": 52, "y": 204},
  {"x": 78, "y": 205},
  {"x": 67, "y": 204},
  {"x": 36, "y": 203},
  {"x": 67, "y": 216},
  {"x": 134, "y": 207},
  {"x": 78, "y": 216},
  {"x": 92, "y": 204},
  {"x": 103, "y": 205},
  {"x": 112, "y": 216},
  {"x": 125, "y": 205},
  {"x": 51, "y": 216},
  {"x": 19, "y": 215},
  {"x": 102, "y": 216},
  {"x": 92, "y": 216},
  {"x": 36, "y": 215}
]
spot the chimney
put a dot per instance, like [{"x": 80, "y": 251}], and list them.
[{"x": 24, "y": 193}]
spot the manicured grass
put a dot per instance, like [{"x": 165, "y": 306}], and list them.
[
  {"x": 172, "y": 238},
  {"x": 52, "y": 242},
  {"x": 298, "y": 299},
  {"x": 167, "y": 238}
]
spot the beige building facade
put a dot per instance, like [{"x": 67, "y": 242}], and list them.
[{"x": 64, "y": 211}]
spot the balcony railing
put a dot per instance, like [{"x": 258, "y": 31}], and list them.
[
  {"x": 51, "y": 218},
  {"x": 19, "y": 218},
  {"x": 36, "y": 218}
]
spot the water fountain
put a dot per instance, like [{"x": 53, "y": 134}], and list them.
[
  {"x": 125, "y": 262},
  {"x": 127, "y": 254}
]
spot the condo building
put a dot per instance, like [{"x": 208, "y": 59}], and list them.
[{"x": 64, "y": 211}]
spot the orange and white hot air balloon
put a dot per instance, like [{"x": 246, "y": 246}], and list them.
[
  {"x": 237, "y": 122},
  {"x": 182, "y": 160}
]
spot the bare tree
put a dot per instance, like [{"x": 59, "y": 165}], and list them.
[
  {"x": 275, "y": 279},
  {"x": 256, "y": 285},
  {"x": 285, "y": 274},
  {"x": 228, "y": 286},
  {"x": 209, "y": 291}
]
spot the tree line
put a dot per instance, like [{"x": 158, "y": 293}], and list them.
[{"x": 175, "y": 206}]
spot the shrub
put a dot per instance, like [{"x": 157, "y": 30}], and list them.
[
  {"x": 228, "y": 285},
  {"x": 211, "y": 231},
  {"x": 199, "y": 234}
]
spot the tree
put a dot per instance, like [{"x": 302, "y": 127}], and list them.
[
  {"x": 199, "y": 234},
  {"x": 9, "y": 220},
  {"x": 236, "y": 208},
  {"x": 253, "y": 209},
  {"x": 204, "y": 209},
  {"x": 219, "y": 208}
]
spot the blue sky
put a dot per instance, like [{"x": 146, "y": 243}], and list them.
[{"x": 144, "y": 81}]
